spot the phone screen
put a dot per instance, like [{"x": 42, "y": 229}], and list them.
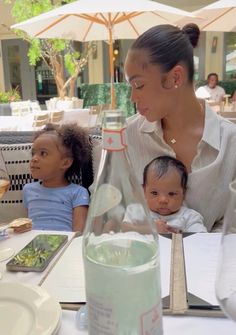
[{"x": 36, "y": 255}]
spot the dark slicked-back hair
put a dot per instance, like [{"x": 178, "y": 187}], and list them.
[{"x": 168, "y": 46}]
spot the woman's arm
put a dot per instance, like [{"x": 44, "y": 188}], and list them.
[{"x": 79, "y": 218}]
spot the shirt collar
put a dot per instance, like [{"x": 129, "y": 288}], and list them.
[
  {"x": 211, "y": 132},
  {"x": 149, "y": 127}
]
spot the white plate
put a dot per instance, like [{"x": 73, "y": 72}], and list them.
[
  {"x": 6, "y": 253},
  {"x": 27, "y": 310}
]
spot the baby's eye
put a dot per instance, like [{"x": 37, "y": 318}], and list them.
[
  {"x": 172, "y": 194},
  {"x": 154, "y": 193}
]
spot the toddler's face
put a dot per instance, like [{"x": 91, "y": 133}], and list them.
[
  {"x": 47, "y": 159},
  {"x": 164, "y": 195}
]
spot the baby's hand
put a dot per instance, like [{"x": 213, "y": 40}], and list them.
[{"x": 164, "y": 228}]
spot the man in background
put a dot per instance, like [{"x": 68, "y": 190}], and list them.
[{"x": 212, "y": 91}]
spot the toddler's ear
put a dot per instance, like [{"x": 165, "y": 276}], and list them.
[{"x": 67, "y": 162}]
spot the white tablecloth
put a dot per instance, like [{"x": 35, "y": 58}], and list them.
[
  {"x": 16, "y": 123},
  {"x": 173, "y": 325},
  {"x": 81, "y": 116},
  {"x": 17, "y": 242}
]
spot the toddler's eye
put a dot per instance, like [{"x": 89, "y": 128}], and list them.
[
  {"x": 172, "y": 194},
  {"x": 138, "y": 86}
]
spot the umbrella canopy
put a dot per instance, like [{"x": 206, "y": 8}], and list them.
[
  {"x": 218, "y": 16},
  {"x": 222, "y": 16},
  {"x": 92, "y": 20}
]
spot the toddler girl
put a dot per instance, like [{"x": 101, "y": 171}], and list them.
[{"x": 53, "y": 202}]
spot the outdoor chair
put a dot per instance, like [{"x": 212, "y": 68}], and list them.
[
  {"x": 56, "y": 116},
  {"x": 20, "y": 108},
  {"x": 40, "y": 120}
]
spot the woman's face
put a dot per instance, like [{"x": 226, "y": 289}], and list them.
[{"x": 152, "y": 100}]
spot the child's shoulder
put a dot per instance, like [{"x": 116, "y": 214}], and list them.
[
  {"x": 34, "y": 184},
  {"x": 77, "y": 188}
]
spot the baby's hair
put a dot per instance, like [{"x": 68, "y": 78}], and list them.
[
  {"x": 76, "y": 141},
  {"x": 162, "y": 164}
]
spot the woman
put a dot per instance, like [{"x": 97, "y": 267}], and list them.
[{"x": 172, "y": 121}]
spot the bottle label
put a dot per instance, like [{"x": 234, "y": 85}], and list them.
[
  {"x": 151, "y": 321},
  {"x": 101, "y": 317},
  {"x": 114, "y": 140}
]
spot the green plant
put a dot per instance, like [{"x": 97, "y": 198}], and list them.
[
  {"x": 9, "y": 96},
  {"x": 57, "y": 54}
]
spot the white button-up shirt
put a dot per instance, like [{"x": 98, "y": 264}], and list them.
[{"x": 213, "y": 168}]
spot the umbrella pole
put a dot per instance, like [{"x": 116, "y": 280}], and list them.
[{"x": 113, "y": 97}]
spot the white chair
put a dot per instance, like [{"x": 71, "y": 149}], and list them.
[
  {"x": 40, "y": 120},
  {"x": 35, "y": 107},
  {"x": 56, "y": 116},
  {"x": 20, "y": 108},
  {"x": 78, "y": 103}
]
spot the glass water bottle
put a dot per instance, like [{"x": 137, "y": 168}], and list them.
[
  {"x": 120, "y": 246},
  {"x": 226, "y": 274}
]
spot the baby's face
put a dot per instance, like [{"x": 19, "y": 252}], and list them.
[{"x": 164, "y": 195}]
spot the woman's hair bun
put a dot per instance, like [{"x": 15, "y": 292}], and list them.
[{"x": 193, "y": 32}]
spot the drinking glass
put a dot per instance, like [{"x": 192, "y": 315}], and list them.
[
  {"x": 4, "y": 181},
  {"x": 5, "y": 253},
  {"x": 226, "y": 273}
]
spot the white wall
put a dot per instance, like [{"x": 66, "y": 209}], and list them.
[
  {"x": 2, "y": 85},
  {"x": 214, "y": 60},
  {"x": 95, "y": 66}
]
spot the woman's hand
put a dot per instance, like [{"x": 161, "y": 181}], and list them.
[{"x": 163, "y": 228}]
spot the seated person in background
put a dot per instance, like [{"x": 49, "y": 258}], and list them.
[
  {"x": 234, "y": 96},
  {"x": 212, "y": 92},
  {"x": 53, "y": 203},
  {"x": 165, "y": 183}
]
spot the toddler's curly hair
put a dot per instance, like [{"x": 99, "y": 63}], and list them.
[{"x": 76, "y": 140}]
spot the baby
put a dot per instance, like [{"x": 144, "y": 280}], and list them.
[{"x": 165, "y": 183}]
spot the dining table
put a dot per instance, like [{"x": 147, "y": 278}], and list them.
[
  {"x": 172, "y": 324},
  {"x": 80, "y": 116},
  {"x": 16, "y": 123}
]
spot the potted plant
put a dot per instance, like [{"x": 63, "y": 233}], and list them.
[
  {"x": 6, "y": 98},
  {"x": 9, "y": 96}
]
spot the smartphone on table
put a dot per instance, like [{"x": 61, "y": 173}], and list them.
[{"x": 37, "y": 254}]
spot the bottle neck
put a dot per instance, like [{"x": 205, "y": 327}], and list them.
[{"x": 114, "y": 139}]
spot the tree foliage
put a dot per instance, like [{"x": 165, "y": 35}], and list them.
[{"x": 57, "y": 54}]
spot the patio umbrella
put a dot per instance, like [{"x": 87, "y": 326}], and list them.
[
  {"x": 218, "y": 16},
  {"x": 92, "y": 20}
]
